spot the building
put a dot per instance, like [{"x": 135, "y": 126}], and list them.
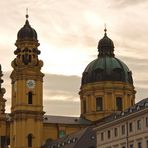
[
  {"x": 107, "y": 87},
  {"x": 127, "y": 129}
]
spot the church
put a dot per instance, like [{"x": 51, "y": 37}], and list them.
[{"x": 106, "y": 87}]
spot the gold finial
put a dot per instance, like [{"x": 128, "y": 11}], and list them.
[
  {"x": 27, "y": 13},
  {"x": 105, "y": 30}
]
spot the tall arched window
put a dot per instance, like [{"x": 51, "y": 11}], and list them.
[
  {"x": 99, "y": 104},
  {"x": 119, "y": 103},
  {"x": 30, "y": 97},
  {"x": 29, "y": 140}
]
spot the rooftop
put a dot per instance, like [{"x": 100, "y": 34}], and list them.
[{"x": 65, "y": 120}]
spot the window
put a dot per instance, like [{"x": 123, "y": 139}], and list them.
[
  {"x": 131, "y": 146},
  {"x": 130, "y": 127},
  {"x": 147, "y": 144},
  {"x": 29, "y": 140},
  {"x": 119, "y": 103},
  {"x": 61, "y": 134},
  {"x": 108, "y": 134},
  {"x": 99, "y": 104},
  {"x": 102, "y": 136},
  {"x": 84, "y": 106},
  {"x": 138, "y": 124},
  {"x": 115, "y": 132},
  {"x": 146, "y": 121},
  {"x": 30, "y": 98},
  {"x": 123, "y": 129},
  {"x": 139, "y": 145},
  {"x": 29, "y": 58},
  {"x": 132, "y": 102}
]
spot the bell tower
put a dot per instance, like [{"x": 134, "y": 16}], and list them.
[{"x": 27, "y": 91}]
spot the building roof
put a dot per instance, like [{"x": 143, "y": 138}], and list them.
[
  {"x": 65, "y": 120},
  {"x": 85, "y": 138},
  {"x": 139, "y": 106}
]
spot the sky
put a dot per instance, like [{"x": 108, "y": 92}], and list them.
[{"x": 68, "y": 32}]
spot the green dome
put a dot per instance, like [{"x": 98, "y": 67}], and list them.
[{"x": 106, "y": 67}]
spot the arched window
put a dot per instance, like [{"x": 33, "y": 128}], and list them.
[
  {"x": 29, "y": 97},
  {"x": 99, "y": 104},
  {"x": 23, "y": 58},
  {"x": 119, "y": 103},
  {"x": 29, "y": 140}
]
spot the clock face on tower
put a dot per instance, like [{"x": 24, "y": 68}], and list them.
[{"x": 30, "y": 83}]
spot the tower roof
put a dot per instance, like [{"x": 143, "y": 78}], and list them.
[{"x": 27, "y": 32}]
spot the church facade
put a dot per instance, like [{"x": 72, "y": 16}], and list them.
[{"x": 106, "y": 87}]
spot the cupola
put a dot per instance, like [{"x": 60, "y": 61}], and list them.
[{"x": 106, "y": 67}]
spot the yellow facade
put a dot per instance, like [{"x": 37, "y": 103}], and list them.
[{"x": 108, "y": 91}]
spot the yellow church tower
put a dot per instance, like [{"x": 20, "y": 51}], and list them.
[
  {"x": 107, "y": 84},
  {"x": 3, "y": 134},
  {"x": 27, "y": 91}
]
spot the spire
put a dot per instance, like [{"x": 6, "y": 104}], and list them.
[
  {"x": 105, "y": 30},
  {"x": 27, "y": 16},
  {"x": 106, "y": 46}
]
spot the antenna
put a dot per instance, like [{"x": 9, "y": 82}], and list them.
[{"x": 105, "y": 30}]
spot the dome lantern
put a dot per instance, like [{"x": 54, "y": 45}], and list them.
[{"x": 106, "y": 46}]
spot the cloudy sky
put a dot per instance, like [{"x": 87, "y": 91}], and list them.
[{"x": 69, "y": 31}]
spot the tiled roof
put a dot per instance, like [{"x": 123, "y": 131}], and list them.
[
  {"x": 65, "y": 120},
  {"x": 85, "y": 138}
]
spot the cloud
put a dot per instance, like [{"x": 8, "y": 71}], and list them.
[
  {"x": 61, "y": 82},
  {"x": 57, "y": 107},
  {"x": 127, "y": 3}
]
